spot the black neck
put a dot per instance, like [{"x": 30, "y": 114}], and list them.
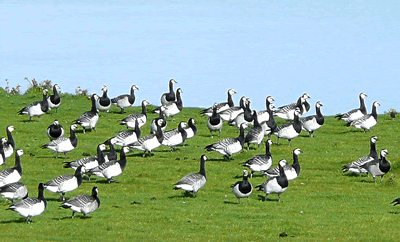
[
  {"x": 374, "y": 112},
  {"x": 202, "y": 168},
  {"x": 363, "y": 108},
  {"x": 122, "y": 159},
  {"x": 73, "y": 138},
  {"x": 78, "y": 175},
  {"x": 296, "y": 164},
  {"x": 144, "y": 111},
  {"x": 230, "y": 100},
  {"x": 17, "y": 165},
  {"x": 182, "y": 131},
  {"x": 94, "y": 109},
  {"x": 10, "y": 139}
]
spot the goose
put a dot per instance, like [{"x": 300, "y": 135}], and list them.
[
  {"x": 255, "y": 134},
  {"x": 84, "y": 204},
  {"x": 112, "y": 154},
  {"x": 169, "y": 96},
  {"x": 242, "y": 188},
  {"x": 245, "y": 117},
  {"x": 289, "y": 131},
  {"x": 313, "y": 122},
  {"x": 355, "y": 113},
  {"x": 191, "y": 128},
  {"x": 221, "y": 106},
  {"x": 65, "y": 183},
  {"x": 214, "y": 122},
  {"x": 287, "y": 112},
  {"x": 126, "y": 137},
  {"x": 154, "y": 121},
  {"x": 176, "y": 136},
  {"x": 277, "y": 184},
  {"x": 230, "y": 114},
  {"x": 378, "y": 167},
  {"x": 264, "y": 114},
  {"x": 367, "y": 121},
  {"x": 30, "y": 207},
  {"x": 88, "y": 162},
  {"x": 2, "y": 155},
  {"x": 149, "y": 142},
  {"x": 89, "y": 119},
  {"x": 104, "y": 102},
  {"x": 269, "y": 126},
  {"x": 129, "y": 121},
  {"x": 193, "y": 181},
  {"x": 37, "y": 108},
  {"x": 111, "y": 168},
  {"x": 291, "y": 171},
  {"x": 14, "y": 191},
  {"x": 229, "y": 146},
  {"x": 54, "y": 100},
  {"x": 9, "y": 145},
  {"x": 127, "y": 100},
  {"x": 262, "y": 162},
  {"x": 13, "y": 174},
  {"x": 55, "y": 130},
  {"x": 355, "y": 166},
  {"x": 173, "y": 108},
  {"x": 63, "y": 144},
  {"x": 396, "y": 201}
]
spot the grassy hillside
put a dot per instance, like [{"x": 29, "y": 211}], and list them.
[{"x": 321, "y": 204}]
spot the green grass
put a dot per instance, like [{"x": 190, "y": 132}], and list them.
[{"x": 321, "y": 204}]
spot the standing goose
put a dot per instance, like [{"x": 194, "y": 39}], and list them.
[
  {"x": 129, "y": 121},
  {"x": 63, "y": 144},
  {"x": 367, "y": 121},
  {"x": 221, "y": 106},
  {"x": 88, "y": 162},
  {"x": 9, "y": 145},
  {"x": 255, "y": 134},
  {"x": 83, "y": 203},
  {"x": 260, "y": 163},
  {"x": 214, "y": 122},
  {"x": 291, "y": 171},
  {"x": 355, "y": 113},
  {"x": 13, "y": 174},
  {"x": 287, "y": 112},
  {"x": 55, "y": 130},
  {"x": 126, "y": 137},
  {"x": 54, "y": 100},
  {"x": 176, "y": 136},
  {"x": 191, "y": 129},
  {"x": 104, "y": 102},
  {"x": 378, "y": 167},
  {"x": 289, "y": 131},
  {"x": 277, "y": 184},
  {"x": 193, "y": 181},
  {"x": 172, "y": 108},
  {"x": 30, "y": 207},
  {"x": 65, "y": 183},
  {"x": 37, "y": 108},
  {"x": 163, "y": 123},
  {"x": 242, "y": 188},
  {"x": 269, "y": 125},
  {"x": 229, "y": 146},
  {"x": 169, "y": 96},
  {"x": 314, "y": 122},
  {"x": 89, "y": 119},
  {"x": 230, "y": 114},
  {"x": 149, "y": 142},
  {"x": 264, "y": 114},
  {"x": 14, "y": 191},
  {"x": 355, "y": 166},
  {"x": 127, "y": 100}
]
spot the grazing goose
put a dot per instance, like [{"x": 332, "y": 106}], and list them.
[
  {"x": 126, "y": 137},
  {"x": 37, "y": 108},
  {"x": 255, "y": 134},
  {"x": 176, "y": 136},
  {"x": 214, "y": 122},
  {"x": 149, "y": 142},
  {"x": 112, "y": 168},
  {"x": 291, "y": 171},
  {"x": 83, "y": 203},
  {"x": 154, "y": 121},
  {"x": 127, "y": 100},
  {"x": 54, "y": 100},
  {"x": 140, "y": 117},
  {"x": 245, "y": 117},
  {"x": 260, "y": 163},
  {"x": 264, "y": 114},
  {"x": 193, "y": 181},
  {"x": 230, "y": 114},
  {"x": 355, "y": 113},
  {"x": 104, "y": 102},
  {"x": 191, "y": 129},
  {"x": 65, "y": 183},
  {"x": 355, "y": 166},
  {"x": 88, "y": 162},
  {"x": 169, "y": 96},
  {"x": 287, "y": 112},
  {"x": 314, "y": 122},
  {"x": 63, "y": 144},
  {"x": 378, "y": 167},
  {"x": 89, "y": 119},
  {"x": 229, "y": 146},
  {"x": 13, "y": 174},
  {"x": 2, "y": 155},
  {"x": 396, "y": 201},
  {"x": 9, "y": 145},
  {"x": 367, "y": 121},
  {"x": 277, "y": 184},
  {"x": 269, "y": 125},
  {"x": 55, "y": 130},
  {"x": 289, "y": 131},
  {"x": 30, "y": 207},
  {"x": 221, "y": 106},
  {"x": 242, "y": 188},
  {"x": 172, "y": 108},
  {"x": 14, "y": 191}
]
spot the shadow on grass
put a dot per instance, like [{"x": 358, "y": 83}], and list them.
[
  {"x": 266, "y": 199},
  {"x": 75, "y": 217},
  {"x": 20, "y": 220},
  {"x": 394, "y": 212},
  {"x": 184, "y": 194},
  {"x": 230, "y": 202}
]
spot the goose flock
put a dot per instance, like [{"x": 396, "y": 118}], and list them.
[{"x": 254, "y": 130}]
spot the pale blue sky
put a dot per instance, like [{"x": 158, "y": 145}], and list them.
[{"x": 331, "y": 50}]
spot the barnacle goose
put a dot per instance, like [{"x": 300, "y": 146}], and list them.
[
  {"x": 289, "y": 131},
  {"x": 12, "y": 174},
  {"x": 367, "y": 121},
  {"x": 9, "y": 145},
  {"x": 355, "y": 113},
  {"x": 245, "y": 117},
  {"x": 264, "y": 114},
  {"x": 256, "y": 133},
  {"x": 129, "y": 121},
  {"x": 191, "y": 128},
  {"x": 63, "y": 144},
  {"x": 313, "y": 122},
  {"x": 242, "y": 188},
  {"x": 30, "y": 207},
  {"x": 14, "y": 191},
  {"x": 89, "y": 119},
  {"x": 193, "y": 181},
  {"x": 214, "y": 122},
  {"x": 176, "y": 136},
  {"x": 65, "y": 183},
  {"x": 54, "y": 100},
  {"x": 104, "y": 102},
  {"x": 229, "y": 146},
  {"x": 112, "y": 154},
  {"x": 291, "y": 171},
  {"x": 269, "y": 125},
  {"x": 378, "y": 167},
  {"x": 231, "y": 113},
  {"x": 355, "y": 166},
  {"x": 149, "y": 142},
  {"x": 221, "y": 106},
  {"x": 55, "y": 130},
  {"x": 287, "y": 111},
  {"x": 88, "y": 162},
  {"x": 277, "y": 184},
  {"x": 37, "y": 108},
  {"x": 126, "y": 100},
  {"x": 83, "y": 203},
  {"x": 260, "y": 163},
  {"x": 169, "y": 96},
  {"x": 126, "y": 137},
  {"x": 173, "y": 108},
  {"x": 154, "y": 121},
  {"x": 2, "y": 155}
]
